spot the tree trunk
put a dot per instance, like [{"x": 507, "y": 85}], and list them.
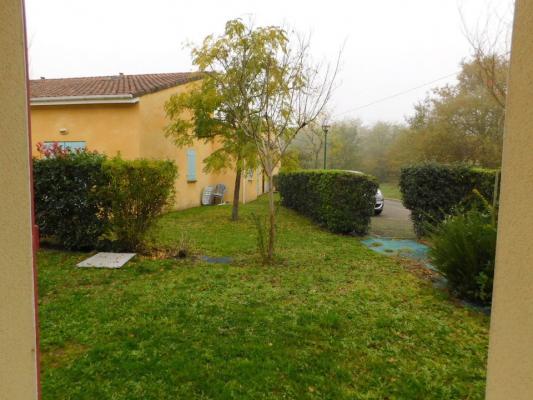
[
  {"x": 271, "y": 220},
  {"x": 236, "y": 193}
]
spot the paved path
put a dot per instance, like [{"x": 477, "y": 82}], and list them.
[{"x": 394, "y": 221}]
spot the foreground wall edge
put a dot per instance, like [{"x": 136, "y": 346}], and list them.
[
  {"x": 510, "y": 362},
  {"x": 18, "y": 337}
]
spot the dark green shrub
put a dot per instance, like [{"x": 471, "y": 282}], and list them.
[
  {"x": 67, "y": 205},
  {"x": 432, "y": 191},
  {"x": 342, "y": 201},
  {"x": 463, "y": 250},
  {"x": 137, "y": 192}
]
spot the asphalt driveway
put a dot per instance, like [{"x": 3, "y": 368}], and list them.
[{"x": 394, "y": 221}]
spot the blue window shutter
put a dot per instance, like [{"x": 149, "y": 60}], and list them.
[{"x": 191, "y": 165}]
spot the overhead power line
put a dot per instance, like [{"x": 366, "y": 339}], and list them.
[{"x": 392, "y": 96}]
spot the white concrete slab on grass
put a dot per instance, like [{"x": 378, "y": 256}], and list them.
[{"x": 106, "y": 260}]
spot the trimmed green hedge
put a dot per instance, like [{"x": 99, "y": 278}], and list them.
[
  {"x": 342, "y": 201},
  {"x": 432, "y": 191},
  {"x": 68, "y": 206}
]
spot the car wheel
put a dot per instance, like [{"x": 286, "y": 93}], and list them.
[{"x": 377, "y": 212}]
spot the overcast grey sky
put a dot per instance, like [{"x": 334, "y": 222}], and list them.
[{"x": 390, "y": 45}]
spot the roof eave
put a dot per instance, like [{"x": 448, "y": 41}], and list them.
[{"x": 73, "y": 100}]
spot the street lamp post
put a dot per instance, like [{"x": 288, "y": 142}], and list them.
[{"x": 325, "y": 128}]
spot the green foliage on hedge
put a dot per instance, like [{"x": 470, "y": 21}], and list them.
[
  {"x": 342, "y": 201},
  {"x": 432, "y": 191},
  {"x": 463, "y": 249},
  {"x": 67, "y": 203},
  {"x": 137, "y": 193},
  {"x": 82, "y": 197}
]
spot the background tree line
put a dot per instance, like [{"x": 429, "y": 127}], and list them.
[{"x": 462, "y": 122}]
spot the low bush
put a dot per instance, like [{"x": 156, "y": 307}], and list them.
[
  {"x": 463, "y": 249},
  {"x": 137, "y": 192},
  {"x": 432, "y": 191},
  {"x": 68, "y": 207},
  {"x": 342, "y": 201}
]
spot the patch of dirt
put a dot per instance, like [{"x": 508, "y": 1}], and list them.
[{"x": 420, "y": 270}]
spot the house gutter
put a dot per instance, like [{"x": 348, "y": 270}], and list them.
[{"x": 71, "y": 100}]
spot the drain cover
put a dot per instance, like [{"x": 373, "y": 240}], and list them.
[{"x": 106, "y": 260}]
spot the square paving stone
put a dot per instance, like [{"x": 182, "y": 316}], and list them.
[{"x": 106, "y": 260}]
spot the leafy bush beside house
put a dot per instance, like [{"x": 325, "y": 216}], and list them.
[
  {"x": 137, "y": 192},
  {"x": 68, "y": 206},
  {"x": 341, "y": 201},
  {"x": 432, "y": 191}
]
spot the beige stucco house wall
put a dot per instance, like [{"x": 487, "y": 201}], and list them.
[
  {"x": 510, "y": 365},
  {"x": 18, "y": 338},
  {"x": 136, "y": 130}
]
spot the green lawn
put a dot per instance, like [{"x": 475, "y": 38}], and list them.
[
  {"x": 333, "y": 321},
  {"x": 390, "y": 190}
]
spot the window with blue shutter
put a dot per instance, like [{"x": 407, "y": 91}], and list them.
[{"x": 191, "y": 165}]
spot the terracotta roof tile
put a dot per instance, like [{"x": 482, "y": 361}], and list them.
[{"x": 136, "y": 85}]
